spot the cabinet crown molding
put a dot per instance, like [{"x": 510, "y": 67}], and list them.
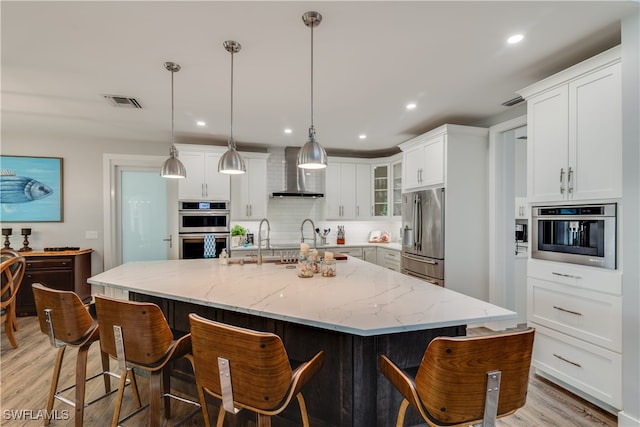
[
  {"x": 588, "y": 66},
  {"x": 443, "y": 130}
]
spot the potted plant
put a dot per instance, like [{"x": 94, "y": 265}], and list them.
[{"x": 237, "y": 236}]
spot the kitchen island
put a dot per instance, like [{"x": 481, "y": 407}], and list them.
[{"x": 364, "y": 311}]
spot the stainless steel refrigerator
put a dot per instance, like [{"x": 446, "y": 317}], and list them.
[{"x": 423, "y": 235}]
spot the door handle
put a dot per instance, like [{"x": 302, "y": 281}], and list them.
[
  {"x": 561, "y": 180},
  {"x": 570, "y": 180},
  {"x": 170, "y": 240}
]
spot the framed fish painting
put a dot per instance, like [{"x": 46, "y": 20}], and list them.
[{"x": 30, "y": 189}]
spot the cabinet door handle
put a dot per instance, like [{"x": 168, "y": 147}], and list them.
[
  {"x": 561, "y": 180},
  {"x": 567, "y": 311},
  {"x": 206, "y": 190},
  {"x": 566, "y": 275},
  {"x": 250, "y": 210},
  {"x": 570, "y": 180},
  {"x": 568, "y": 361},
  {"x": 357, "y": 210}
]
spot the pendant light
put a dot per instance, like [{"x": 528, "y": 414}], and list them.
[
  {"x": 231, "y": 162},
  {"x": 172, "y": 167},
  {"x": 312, "y": 155}
]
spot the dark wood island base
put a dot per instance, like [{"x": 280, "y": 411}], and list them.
[{"x": 348, "y": 391}]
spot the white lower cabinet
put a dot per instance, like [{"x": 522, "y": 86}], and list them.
[
  {"x": 592, "y": 370},
  {"x": 369, "y": 254},
  {"x": 388, "y": 258},
  {"x": 577, "y": 313}
]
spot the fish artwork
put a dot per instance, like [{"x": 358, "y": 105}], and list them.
[{"x": 20, "y": 189}]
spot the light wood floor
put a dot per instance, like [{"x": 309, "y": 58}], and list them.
[{"x": 25, "y": 375}]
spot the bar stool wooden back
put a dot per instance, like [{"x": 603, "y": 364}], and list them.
[
  {"x": 138, "y": 336},
  {"x": 67, "y": 322},
  {"x": 247, "y": 369},
  {"x": 464, "y": 381},
  {"x": 12, "y": 270}
]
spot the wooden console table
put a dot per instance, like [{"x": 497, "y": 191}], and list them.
[{"x": 65, "y": 270}]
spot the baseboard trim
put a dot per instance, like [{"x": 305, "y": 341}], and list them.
[{"x": 625, "y": 420}]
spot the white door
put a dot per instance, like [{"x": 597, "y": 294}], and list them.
[
  {"x": 140, "y": 210},
  {"x": 142, "y": 215}
]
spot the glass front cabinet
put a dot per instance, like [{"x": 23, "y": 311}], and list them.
[
  {"x": 380, "y": 190},
  {"x": 396, "y": 188}
]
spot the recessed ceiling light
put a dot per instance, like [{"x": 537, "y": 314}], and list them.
[
  {"x": 201, "y": 123},
  {"x": 288, "y": 131},
  {"x": 411, "y": 106},
  {"x": 516, "y": 38},
  {"x": 362, "y": 136}
]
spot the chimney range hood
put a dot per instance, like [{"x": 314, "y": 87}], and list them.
[{"x": 304, "y": 183}]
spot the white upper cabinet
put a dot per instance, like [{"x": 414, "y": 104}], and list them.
[
  {"x": 381, "y": 195},
  {"x": 423, "y": 164},
  {"x": 249, "y": 189},
  {"x": 574, "y": 122},
  {"x": 203, "y": 181},
  {"x": 396, "y": 187},
  {"x": 340, "y": 193},
  {"x": 363, "y": 191}
]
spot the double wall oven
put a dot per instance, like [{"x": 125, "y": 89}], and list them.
[{"x": 199, "y": 221}]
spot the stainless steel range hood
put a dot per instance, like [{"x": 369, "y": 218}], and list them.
[{"x": 300, "y": 182}]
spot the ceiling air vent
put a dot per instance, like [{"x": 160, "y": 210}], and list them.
[
  {"x": 122, "y": 101},
  {"x": 514, "y": 101}
]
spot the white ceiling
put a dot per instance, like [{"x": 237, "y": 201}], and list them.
[{"x": 371, "y": 59}]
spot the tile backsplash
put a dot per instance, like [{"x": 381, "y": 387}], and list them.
[{"x": 286, "y": 215}]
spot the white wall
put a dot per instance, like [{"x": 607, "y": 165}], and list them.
[
  {"x": 82, "y": 187},
  {"x": 630, "y": 416}
]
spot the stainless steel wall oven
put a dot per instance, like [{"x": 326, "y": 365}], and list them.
[
  {"x": 203, "y": 217},
  {"x": 200, "y": 220},
  {"x": 581, "y": 234}
]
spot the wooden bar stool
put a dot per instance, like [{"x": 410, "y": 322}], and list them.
[
  {"x": 12, "y": 271},
  {"x": 67, "y": 322},
  {"x": 138, "y": 336},
  {"x": 247, "y": 369},
  {"x": 466, "y": 380}
]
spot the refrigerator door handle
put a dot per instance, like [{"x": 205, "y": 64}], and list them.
[
  {"x": 422, "y": 260},
  {"x": 419, "y": 223}
]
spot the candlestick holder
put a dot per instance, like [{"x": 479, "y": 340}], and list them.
[
  {"x": 6, "y": 232},
  {"x": 26, "y": 232}
]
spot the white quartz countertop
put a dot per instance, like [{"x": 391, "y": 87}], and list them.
[{"x": 363, "y": 299}]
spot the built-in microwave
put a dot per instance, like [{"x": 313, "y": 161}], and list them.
[
  {"x": 578, "y": 234},
  {"x": 203, "y": 217}
]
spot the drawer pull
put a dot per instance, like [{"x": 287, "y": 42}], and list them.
[
  {"x": 566, "y": 275},
  {"x": 568, "y": 361},
  {"x": 567, "y": 311}
]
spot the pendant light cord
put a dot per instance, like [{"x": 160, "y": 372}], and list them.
[
  {"x": 231, "y": 141},
  {"x": 173, "y": 139},
  {"x": 312, "y": 25}
]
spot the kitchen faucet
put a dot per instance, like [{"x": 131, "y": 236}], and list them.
[
  {"x": 268, "y": 239},
  {"x": 313, "y": 230}
]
